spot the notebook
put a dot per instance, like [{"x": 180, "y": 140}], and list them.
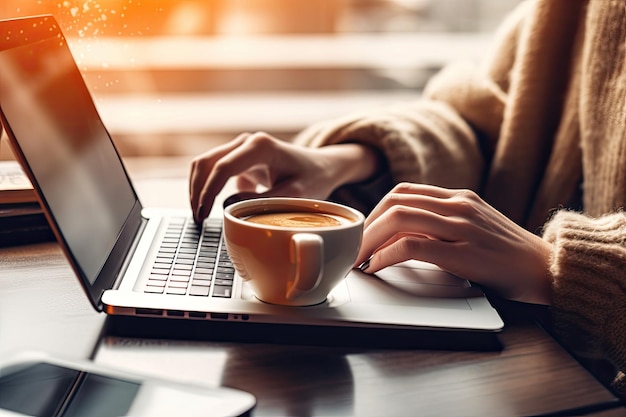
[{"x": 121, "y": 251}]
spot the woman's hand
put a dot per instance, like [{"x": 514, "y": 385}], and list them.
[
  {"x": 284, "y": 169},
  {"x": 462, "y": 234}
]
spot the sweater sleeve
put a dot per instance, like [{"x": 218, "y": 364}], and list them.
[
  {"x": 423, "y": 141},
  {"x": 589, "y": 285}
]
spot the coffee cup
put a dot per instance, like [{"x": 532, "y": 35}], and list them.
[{"x": 292, "y": 251}]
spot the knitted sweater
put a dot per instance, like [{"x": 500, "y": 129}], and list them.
[{"x": 539, "y": 126}]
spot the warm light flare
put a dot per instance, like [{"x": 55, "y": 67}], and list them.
[
  {"x": 110, "y": 18},
  {"x": 97, "y": 18}
]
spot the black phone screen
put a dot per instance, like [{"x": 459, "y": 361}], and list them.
[{"x": 47, "y": 390}]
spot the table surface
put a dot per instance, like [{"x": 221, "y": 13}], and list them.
[{"x": 43, "y": 308}]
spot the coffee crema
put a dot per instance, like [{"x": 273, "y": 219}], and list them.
[{"x": 298, "y": 219}]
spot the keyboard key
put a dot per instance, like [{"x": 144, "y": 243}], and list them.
[
  {"x": 164, "y": 260},
  {"x": 222, "y": 291},
  {"x": 181, "y": 272},
  {"x": 201, "y": 282},
  {"x": 157, "y": 277},
  {"x": 177, "y": 284},
  {"x": 208, "y": 277},
  {"x": 176, "y": 291},
  {"x": 179, "y": 278},
  {"x": 199, "y": 291},
  {"x": 156, "y": 282},
  {"x": 222, "y": 281}
]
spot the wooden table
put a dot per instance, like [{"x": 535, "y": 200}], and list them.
[{"x": 42, "y": 307}]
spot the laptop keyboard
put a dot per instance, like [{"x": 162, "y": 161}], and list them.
[{"x": 192, "y": 262}]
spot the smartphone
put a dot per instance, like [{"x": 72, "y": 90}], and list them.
[{"x": 36, "y": 384}]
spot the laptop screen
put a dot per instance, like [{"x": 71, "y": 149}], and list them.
[{"x": 48, "y": 111}]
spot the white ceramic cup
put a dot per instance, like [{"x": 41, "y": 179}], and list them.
[{"x": 292, "y": 265}]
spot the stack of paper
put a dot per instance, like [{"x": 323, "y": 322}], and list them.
[
  {"x": 15, "y": 187},
  {"x": 21, "y": 218}
]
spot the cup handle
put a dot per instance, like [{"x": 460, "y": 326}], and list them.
[{"x": 307, "y": 253}]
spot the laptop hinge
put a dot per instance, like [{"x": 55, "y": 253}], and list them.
[{"x": 131, "y": 251}]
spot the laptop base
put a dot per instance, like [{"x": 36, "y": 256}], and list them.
[{"x": 329, "y": 336}]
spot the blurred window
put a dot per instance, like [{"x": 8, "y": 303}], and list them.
[
  {"x": 200, "y": 69},
  {"x": 218, "y": 17}
]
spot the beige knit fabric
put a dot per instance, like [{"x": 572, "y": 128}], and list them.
[
  {"x": 589, "y": 283},
  {"x": 545, "y": 113}
]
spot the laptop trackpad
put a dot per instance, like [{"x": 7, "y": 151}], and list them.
[{"x": 409, "y": 283}]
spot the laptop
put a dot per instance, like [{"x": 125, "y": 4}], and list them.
[{"x": 142, "y": 261}]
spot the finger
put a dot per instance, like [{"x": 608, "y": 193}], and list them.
[
  {"x": 201, "y": 165},
  {"x": 407, "y": 220},
  {"x": 397, "y": 237},
  {"x": 427, "y": 203},
  {"x": 405, "y": 247},
  {"x": 201, "y": 168},
  {"x": 286, "y": 188},
  {"x": 253, "y": 178},
  {"x": 413, "y": 195},
  {"x": 245, "y": 184},
  {"x": 256, "y": 149}
]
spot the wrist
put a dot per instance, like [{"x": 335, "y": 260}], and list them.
[{"x": 350, "y": 163}]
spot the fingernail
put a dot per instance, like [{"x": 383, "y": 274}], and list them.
[{"x": 365, "y": 265}]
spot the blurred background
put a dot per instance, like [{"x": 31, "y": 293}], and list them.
[{"x": 176, "y": 77}]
